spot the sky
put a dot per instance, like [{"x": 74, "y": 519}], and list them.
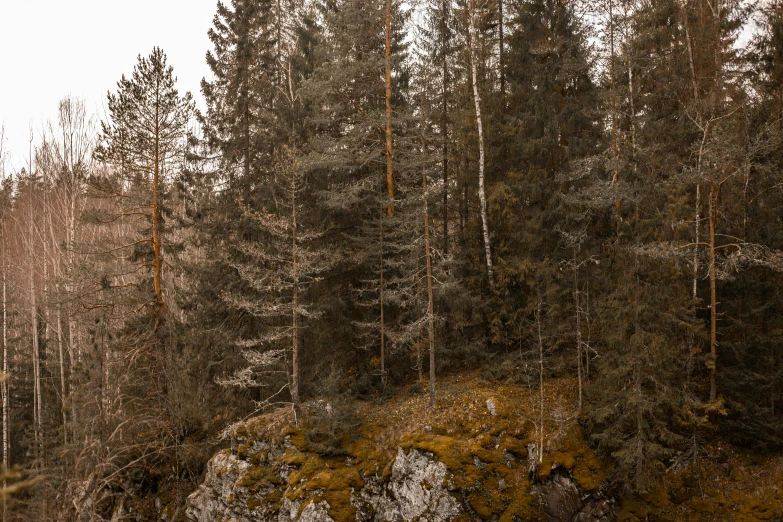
[{"x": 50, "y": 49}]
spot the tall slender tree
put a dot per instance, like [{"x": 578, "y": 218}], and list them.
[{"x": 144, "y": 140}]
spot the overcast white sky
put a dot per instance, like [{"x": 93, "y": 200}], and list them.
[{"x": 53, "y": 48}]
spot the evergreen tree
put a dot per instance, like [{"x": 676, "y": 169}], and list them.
[
  {"x": 552, "y": 120},
  {"x": 282, "y": 266},
  {"x": 144, "y": 140},
  {"x": 239, "y": 99}
]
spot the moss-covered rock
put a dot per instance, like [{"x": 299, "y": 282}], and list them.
[{"x": 461, "y": 462}]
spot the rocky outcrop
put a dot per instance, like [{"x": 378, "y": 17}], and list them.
[
  {"x": 415, "y": 491},
  {"x": 259, "y": 480},
  {"x": 563, "y": 501}
]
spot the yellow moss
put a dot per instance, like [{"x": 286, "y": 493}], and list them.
[
  {"x": 453, "y": 452},
  {"x": 368, "y": 458},
  {"x": 573, "y": 454},
  {"x": 340, "y": 507},
  {"x": 309, "y": 464},
  {"x": 341, "y": 479},
  {"x": 498, "y": 427},
  {"x": 327, "y": 479},
  {"x": 242, "y": 451},
  {"x": 387, "y": 471},
  {"x": 461, "y": 428},
  {"x": 519, "y": 500},
  {"x": 738, "y": 475},
  {"x": 260, "y": 456},
  {"x": 260, "y": 477},
  {"x": 484, "y": 441},
  {"x": 481, "y": 505},
  {"x": 273, "y": 497},
  {"x": 299, "y": 440},
  {"x": 253, "y": 503},
  {"x": 514, "y": 446}
]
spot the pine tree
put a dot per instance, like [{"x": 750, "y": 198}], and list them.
[
  {"x": 144, "y": 140},
  {"x": 751, "y": 364}
]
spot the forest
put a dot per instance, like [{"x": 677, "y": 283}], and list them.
[{"x": 381, "y": 193}]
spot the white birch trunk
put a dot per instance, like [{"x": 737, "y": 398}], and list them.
[
  {"x": 35, "y": 354},
  {"x": 479, "y": 124}
]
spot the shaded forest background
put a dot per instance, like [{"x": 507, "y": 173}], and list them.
[{"x": 377, "y": 193}]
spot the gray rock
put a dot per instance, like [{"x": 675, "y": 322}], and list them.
[
  {"x": 316, "y": 512},
  {"x": 415, "y": 491},
  {"x": 561, "y": 497},
  {"x": 418, "y": 489},
  {"x": 563, "y": 500},
  {"x": 491, "y": 406}
]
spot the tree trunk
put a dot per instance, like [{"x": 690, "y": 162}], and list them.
[
  {"x": 35, "y": 347},
  {"x": 501, "y": 62},
  {"x": 63, "y": 400},
  {"x": 388, "y": 95},
  {"x": 696, "y": 224},
  {"x": 71, "y": 241},
  {"x": 540, "y": 437},
  {"x": 381, "y": 304},
  {"x": 713, "y": 213},
  {"x": 479, "y": 124},
  {"x": 158, "y": 261},
  {"x": 297, "y": 405},
  {"x": 695, "y": 88},
  {"x": 430, "y": 304},
  {"x": 4, "y": 384},
  {"x": 444, "y": 122},
  {"x": 577, "y": 311},
  {"x": 279, "y": 43},
  {"x": 613, "y": 94}
]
